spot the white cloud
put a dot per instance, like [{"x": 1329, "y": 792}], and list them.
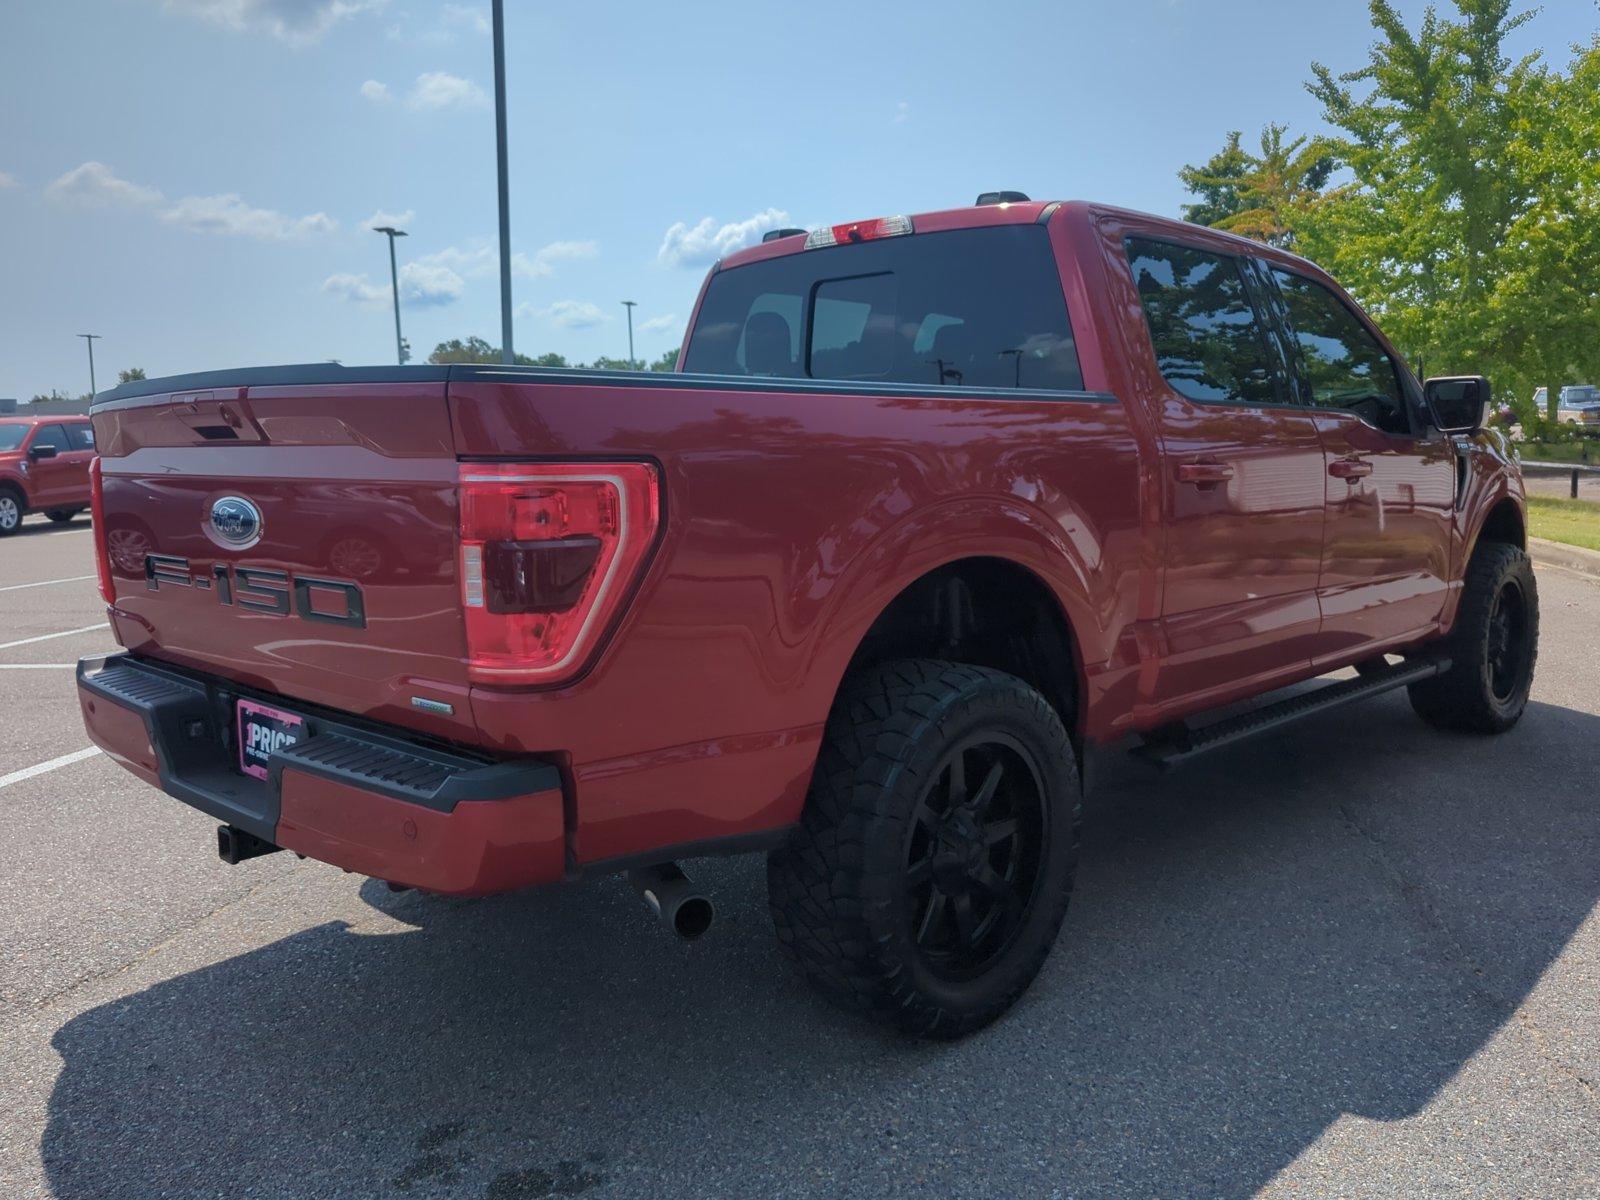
[
  {"x": 440, "y": 89},
  {"x": 230, "y": 214},
  {"x": 469, "y": 16},
  {"x": 398, "y": 220},
  {"x": 8, "y": 181},
  {"x": 375, "y": 91},
  {"x": 94, "y": 183},
  {"x": 429, "y": 286},
  {"x": 356, "y": 288},
  {"x": 574, "y": 314},
  {"x": 702, "y": 244},
  {"x": 290, "y": 20},
  {"x": 542, "y": 263},
  {"x": 664, "y": 321},
  {"x": 902, "y": 113},
  {"x": 421, "y": 286},
  {"x": 481, "y": 259}
]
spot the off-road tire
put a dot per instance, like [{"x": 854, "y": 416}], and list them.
[
  {"x": 1466, "y": 698},
  {"x": 838, "y": 889}
]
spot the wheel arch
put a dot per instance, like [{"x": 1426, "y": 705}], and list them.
[
  {"x": 1504, "y": 521},
  {"x": 1061, "y": 574}
]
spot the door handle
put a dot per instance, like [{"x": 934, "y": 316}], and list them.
[
  {"x": 1349, "y": 468},
  {"x": 1205, "y": 472}
]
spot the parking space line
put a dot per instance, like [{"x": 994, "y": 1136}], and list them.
[
  {"x": 38, "y": 666},
  {"x": 45, "y": 637},
  {"x": 66, "y": 760},
  {"x": 17, "y": 587}
]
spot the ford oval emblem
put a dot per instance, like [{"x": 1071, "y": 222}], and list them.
[{"x": 236, "y": 521}]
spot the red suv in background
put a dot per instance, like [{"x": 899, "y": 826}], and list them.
[{"x": 44, "y": 467}]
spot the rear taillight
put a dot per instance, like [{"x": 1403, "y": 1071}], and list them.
[
  {"x": 102, "y": 553},
  {"x": 548, "y": 553}
]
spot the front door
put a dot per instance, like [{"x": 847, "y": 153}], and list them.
[
  {"x": 1242, "y": 492},
  {"x": 52, "y": 477},
  {"x": 1390, "y": 490}
]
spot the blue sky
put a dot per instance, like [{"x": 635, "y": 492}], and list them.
[{"x": 195, "y": 179}]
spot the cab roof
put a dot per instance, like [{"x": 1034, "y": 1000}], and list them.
[{"x": 1026, "y": 212}]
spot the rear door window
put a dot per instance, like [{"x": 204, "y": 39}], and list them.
[
  {"x": 973, "y": 307},
  {"x": 1211, "y": 342},
  {"x": 81, "y": 436}
]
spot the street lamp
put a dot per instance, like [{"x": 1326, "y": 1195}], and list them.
[
  {"x": 497, "y": 13},
  {"x": 88, "y": 340},
  {"x": 629, "y": 305},
  {"x": 394, "y": 281}
]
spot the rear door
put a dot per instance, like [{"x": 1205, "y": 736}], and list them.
[
  {"x": 1390, "y": 489},
  {"x": 75, "y": 479},
  {"x": 1242, "y": 476}
]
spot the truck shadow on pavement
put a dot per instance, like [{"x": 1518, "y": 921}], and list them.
[{"x": 1333, "y": 921}]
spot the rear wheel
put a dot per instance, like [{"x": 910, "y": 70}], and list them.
[
  {"x": 10, "y": 511},
  {"x": 934, "y": 861},
  {"x": 62, "y": 515},
  {"x": 1492, "y": 648}
]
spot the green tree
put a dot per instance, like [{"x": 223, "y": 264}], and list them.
[
  {"x": 1449, "y": 142},
  {"x": 603, "y": 363},
  {"x": 1216, "y": 183},
  {"x": 131, "y": 374},
  {"x": 1262, "y": 196},
  {"x": 1468, "y": 217},
  {"x": 473, "y": 350},
  {"x": 476, "y": 350},
  {"x": 667, "y": 362}
]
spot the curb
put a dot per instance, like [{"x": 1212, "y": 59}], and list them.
[{"x": 1559, "y": 554}]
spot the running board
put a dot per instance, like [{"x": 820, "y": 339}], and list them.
[{"x": 1178, "y": 744}]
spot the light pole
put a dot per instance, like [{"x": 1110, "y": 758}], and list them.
[
  {"x": 629, "y": 305},
  {"x": 394, "y": 281},
  {"x": 88, "y": 340},
  {"x": 507, "y": 355}
]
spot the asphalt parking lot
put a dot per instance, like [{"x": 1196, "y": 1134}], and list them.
[{"x": 1359, "y": 959}]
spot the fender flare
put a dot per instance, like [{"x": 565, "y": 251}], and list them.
[{"x": 1064, "y": 554}]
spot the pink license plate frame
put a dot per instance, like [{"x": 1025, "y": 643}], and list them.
[{"x": 263, "y": 729}]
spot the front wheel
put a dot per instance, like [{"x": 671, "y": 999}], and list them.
[
  {"x": 933, "y": 863},
  {"x": 10, "y": 512},
  {"x": 1492, "y": 648}
]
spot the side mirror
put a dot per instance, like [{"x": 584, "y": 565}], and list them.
[
  {"x": 1459, "y": 403},
  {"x": 39, "y": 452}
]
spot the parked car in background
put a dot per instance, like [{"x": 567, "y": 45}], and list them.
[
  {"x": 44, "y": 467},
  {"x": 1576, "y": 404},
  {"x": 936, "y": 509}
]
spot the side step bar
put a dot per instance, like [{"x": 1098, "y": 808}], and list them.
[{"x": 1178, "y": 744}]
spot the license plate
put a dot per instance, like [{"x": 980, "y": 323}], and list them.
[{"x": 262, "y": 730}]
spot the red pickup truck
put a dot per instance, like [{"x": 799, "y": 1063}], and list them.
[
  {"x": 44, "y": 467},
  {"x": 938, "y": 509}
]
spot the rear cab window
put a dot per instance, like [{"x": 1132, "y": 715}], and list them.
[
  {"x": 81, "y": 436},
  {"x": 965, "y": 308}
]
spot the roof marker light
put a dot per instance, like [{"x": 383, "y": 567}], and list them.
[{"x": 858, "y": 231}]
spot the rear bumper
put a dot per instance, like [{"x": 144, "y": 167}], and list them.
[{"x": 361, "y": 797}]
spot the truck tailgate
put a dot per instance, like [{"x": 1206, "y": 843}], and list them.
[{"x": 296, "y": 539}]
